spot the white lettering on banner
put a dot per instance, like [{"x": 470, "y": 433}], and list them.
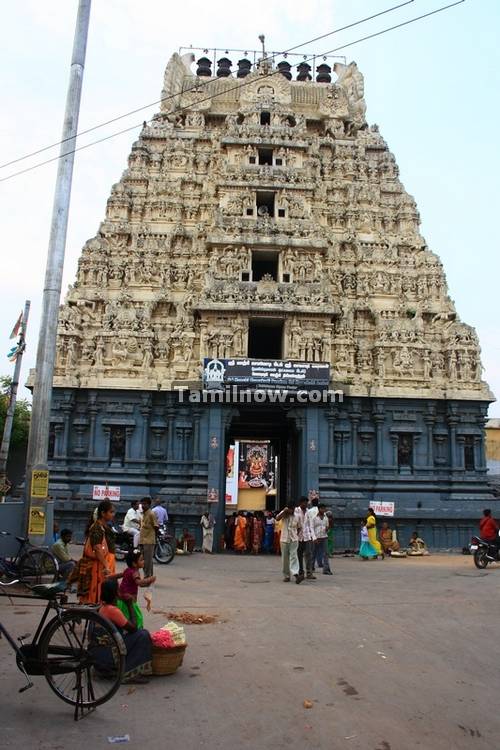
[
  {"x": 383, "y": 509},
  {"x": 101, "y": 492}
]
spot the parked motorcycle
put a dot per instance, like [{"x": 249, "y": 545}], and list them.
[
  {"x": 164, "y": 551},
  {"x": 484, "y": 552}
]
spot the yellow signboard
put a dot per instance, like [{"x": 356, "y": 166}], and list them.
[
  {"x": 40, "y": 483},
  {"x": 37, "y": 521}
]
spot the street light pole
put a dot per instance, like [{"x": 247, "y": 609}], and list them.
[{"x": 46, "y": 352}]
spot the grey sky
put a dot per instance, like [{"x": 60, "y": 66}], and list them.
[{"x": 432, "y": 88}]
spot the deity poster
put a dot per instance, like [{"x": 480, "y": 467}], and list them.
[{"x": 255, "y": 465}]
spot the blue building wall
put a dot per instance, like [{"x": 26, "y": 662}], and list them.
[{"x": 350, "y": 453}]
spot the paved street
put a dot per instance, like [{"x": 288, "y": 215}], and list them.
[{"x": 392, "y": 654}]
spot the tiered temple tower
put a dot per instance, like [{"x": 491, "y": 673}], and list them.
[{"x": 262, "y": 217}]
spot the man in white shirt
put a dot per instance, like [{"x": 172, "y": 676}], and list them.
[
  {"x": 132, "y": 522},
  {"x": 321, "y": 524},
  {"x": 306, "y": 539},
  {"x": 289, "y": 540}
]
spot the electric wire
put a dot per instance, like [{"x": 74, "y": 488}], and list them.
[
  {"x": 226, "y": 91},
  {"x": 196, "y": 87}
]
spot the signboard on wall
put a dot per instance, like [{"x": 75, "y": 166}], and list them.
[
  {"x": 40, "y": 484},
  {"x": 37, "y": 521},
  {"x": 101, "y": 492},
  {"x": 266, "y": 373},
  {"x": 381, "y": 508}
]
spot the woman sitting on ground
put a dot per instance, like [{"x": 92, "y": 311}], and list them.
[
  {"x": 137, "y": 640},
  {"x": 388, "y": 539},
  {"x": 417, "y": 546}
]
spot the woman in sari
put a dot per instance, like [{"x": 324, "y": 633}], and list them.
[
  {"x": 371, "y": 525},
  {"x": 257, "y": 533},
  {"x": 388, "y": 539},
  {"x": 94, "y": 566},
  {"x": 240, "y": 535},
  {"x": 137, "y": 640}
]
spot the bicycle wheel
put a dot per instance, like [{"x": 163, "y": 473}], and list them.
[
  {"x": 83, "y": 656},
  {"x": 38, "y": 566}
]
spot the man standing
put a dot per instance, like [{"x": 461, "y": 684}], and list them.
[
  {"x": 290, "y": 529},
  {"x": 160, "y": 512},
  {"x": 132, "y": 522},
  {"x": 320, "y": 526},
  {"x": 207, "y": 523},
  {"x": 61, "y": 552},
  {"x": 306, "y": 538},
  {"x": 488, "y": 528},
  {"x": 147, "y": 536}
]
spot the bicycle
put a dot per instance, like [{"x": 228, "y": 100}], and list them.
[
  {"x": 31, "y": 564},
  {"x": 80, "y": 654}
]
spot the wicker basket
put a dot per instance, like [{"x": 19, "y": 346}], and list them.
[{"x": 167, "y": 660}]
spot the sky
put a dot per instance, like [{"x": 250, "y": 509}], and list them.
[{"x": 432, "y": 87}]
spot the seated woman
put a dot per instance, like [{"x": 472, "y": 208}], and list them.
[
  {"x": 137, "y": 641},
  {"x": 186, "y": 541},
  {"x": 417, "y": 546},
  {"x": 388, "y": 539}
]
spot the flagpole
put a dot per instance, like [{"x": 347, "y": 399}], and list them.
[
  {"x": 46, "y": 353},
  {"x": 9, "y": 416}
]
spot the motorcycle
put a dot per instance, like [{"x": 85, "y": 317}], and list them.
[
  {"x": 484, "y": 552},
  {"x": 164, "y": 551}
]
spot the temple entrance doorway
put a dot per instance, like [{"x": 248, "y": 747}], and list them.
[{"x": 262, "y": 466}]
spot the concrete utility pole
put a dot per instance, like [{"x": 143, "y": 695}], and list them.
[
  {"x": 46, "y": 353},
  {"x": 9, "y": 417}
]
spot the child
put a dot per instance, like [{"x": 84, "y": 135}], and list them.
[
  {"x": 366, "y": 551},
  {"x": 129, "y": 587}
]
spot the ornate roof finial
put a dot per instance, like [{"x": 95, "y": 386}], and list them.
[
  {"x": 265, "y": 63},
  {"x": 262, "y": 40}
]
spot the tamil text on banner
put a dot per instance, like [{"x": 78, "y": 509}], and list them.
[
  {"x": 101, "y": 492},
  {"x": 232, "y": 474},
  {"x": 381, "y": 508},
  {"x": 256, "y": 373}
]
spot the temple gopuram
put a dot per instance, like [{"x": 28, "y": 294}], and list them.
[{"x": 260, "y": 238}]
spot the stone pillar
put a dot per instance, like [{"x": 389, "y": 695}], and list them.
[
  {"x": 145, "y": 410},
  {"x": 129, "y": 429},
  {"x": 452, "y": 428},
  {"x": 58, "y": 430},
  {"x": 355, "y": 420},
  {"x": 66, "y": 409},
  {"x": 107, "y": 448},
  {"x": 430, "y": 420},
  {"x": 395, "y": 445},
  {"x": 330, "y": 418},
  {"x": 312, "y": 466},
  {"x": 92, "y": 410},
  {"x": 379, "y": 418},
  {"x": 460, "y": 439},
  {"x": 170, "y": 433},
  {"x": 196, "y": 434}
]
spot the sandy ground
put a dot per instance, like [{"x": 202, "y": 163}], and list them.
[{"x": 392, "y": 654}]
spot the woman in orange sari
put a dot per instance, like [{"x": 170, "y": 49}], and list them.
[
  {"x": 240, "y": 533},
  {"x": 94, "y": 566}
]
